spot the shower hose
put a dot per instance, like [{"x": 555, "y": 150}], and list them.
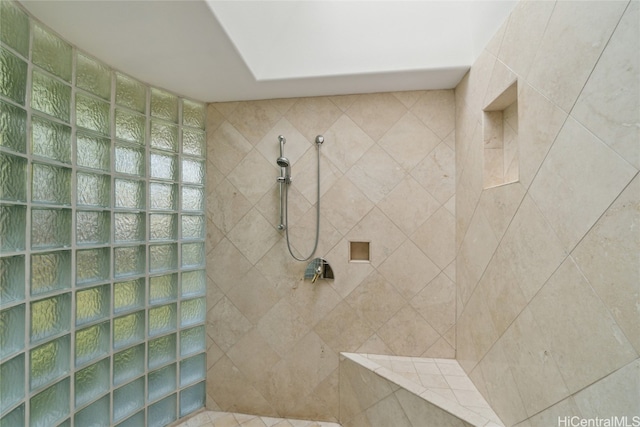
[{"x": 286, "y": 214}]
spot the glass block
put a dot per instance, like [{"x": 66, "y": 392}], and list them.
[
  {"x": 15, "y": 417},
  {"x": 93, "y": 76},
  {"x": 164, "y": 105},
  {"x": 93, "y": 304},
  {"x": 50, "y": 317},
  {"x": 192, "y": 198},
  {"x": 192, "y": 399},
  {"x": 93, "y": 151},
  {"x": 12, "y": 323},
  {"x": 130, "y": 160},
  {"x": 193, "y": 254},
  {"x": 193, "y": 369},
  {"x": 129, "y": 261},
  {"x": 92, "y": 227},
  {"x": 163, "y": 196},
  {"x": 192, "y": 171},
  {"x": 93, "y": 114},
  {"x": 12, "y": 384},
  {"x": 128, "y": 399},
  {"x": 50, "y": 271},
  {"x": 13, "y": 126},
  {"x": 12, "y": 279},
  {"x": 13, "y": 178},
  {"x": 129, "y": 227},
  {"x": 162, "y": 319},
  {"x": 95, "y": 415},
  {"x": 14, "y": 27},
  {"x": 130, "y": 93},
  {"x": 51, "y": 184},
  {"x": 164, "y": 136},
  {"x": 92, "y": 343},
  {"x": 128, "y": 330},
  {"x": 163, "y": 166},
  {"x": 93, "y": 189},
  {"x": 193, "y": 142},
  {"x": 130, "y": 126},
  {"x": 130, "y": 194},
  {"x": 193, "y": 227},
  {"x": 13, "y": 76},
  {"x": 50, "y": 139},
  {"x": 163, "y": 257},
  {"x": 50, "y": 96},
  {"x": 192, "y": 311},
  {"x": 49, "y": 362},
  {"x": 92, "y": 265},
  {"x": 163, "y": 412},
  {"x": 163, "y": 227},
  {"x": 92, "y": 381},
  {"x": 162, "y": 351},
  {"x": 194, "y": 283},
  {"x": 51, "y": 53},
  {"x": 51, "y": 405},
  {"x": 128, "y": 364},
  {"x": 13, "y": 224},
  {"x": 161, "y": 382},
  {"x": 193, "y": 114},
  {"x": 192, "y": 341},
  {"x": 50, "y": 228},
  {"x": 128, "y": 295},
  {"x": 163, "y": 288},
  {"x": 135, "y": 421}
]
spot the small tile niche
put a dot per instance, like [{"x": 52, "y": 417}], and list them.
[
  {"x": 359, "y": 252},
  {"x": 500, "y": 133}
]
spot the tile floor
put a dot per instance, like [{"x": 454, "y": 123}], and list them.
[{"x": 228, "y": 419}]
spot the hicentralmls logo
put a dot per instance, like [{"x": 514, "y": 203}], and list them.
[{"x": 622, "y": 421}]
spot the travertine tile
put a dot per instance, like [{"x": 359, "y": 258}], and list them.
[
  {"x": 295, "y": 146},
  {"x": 376, "y": 113},
  {"x": 344, "y": 205},
  {"x": 253, "y": 356},
  {"x": 282, "y": 327},
  {"x": 313, "y": 301},
  {"x": 376, "y": 174},
  {"x": 235, "y": 265},
  {"x": 409, "y": 141},
  {"x": 417, "y": 335},
  {"x": 254, "y": 176},
  {"x": 408, "y": 270},
  {"x": 229, "y": 148},
  {"x": 313, "y": 116},
  {"x": 253, "y": 236},
  {"x": 435, "y": 237},
  {"x": 254, "y": 296},
  {"x": 533, "y": 363},
  {"x": 228, "y": 322},
  {"x": 573, "y": 40},
  {"x": 253, "y": 119},
  {"x": 608, "y": 105},
  {"x": 436, "y": 109},
  {"x": 522, "y": 36},
  {"x": 334, "y": 331},
  {"x": 436, "y": 172},
  {"x": 578, "y": 180},
  {"x": 383, "y": 236},
  {"x": 408, "y": 205},
  {"x": 586, "y": 341},
  {"x": 226, "y": 206},
  {"x": 499, "y": 205},
  {"x": 346, "y": 142},
  {"x": 608, "y": 257},
  {"x": 436, "y": 303},
  {"x": 615, "y": 395}
]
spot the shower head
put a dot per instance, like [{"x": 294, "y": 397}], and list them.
[{"x": 283, "y": 162}]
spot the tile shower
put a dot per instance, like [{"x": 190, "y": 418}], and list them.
[
  {"x": 101, "y": 239},
  {"x": 498, "y": 267}
]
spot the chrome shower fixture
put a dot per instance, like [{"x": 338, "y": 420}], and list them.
[{"x": 284, "y": 180}]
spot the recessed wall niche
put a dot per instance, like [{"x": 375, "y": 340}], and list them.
[{"x": 500, "y": 137}]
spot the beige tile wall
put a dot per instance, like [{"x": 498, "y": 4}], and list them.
[
  {"x": 548, "y": 269},
  {"x": 388, "y": 179}
]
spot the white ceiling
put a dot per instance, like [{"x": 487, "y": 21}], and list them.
[{"x": 214, "y": 50}]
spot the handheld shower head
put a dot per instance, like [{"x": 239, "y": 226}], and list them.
[{"x": 283, "y": 162}]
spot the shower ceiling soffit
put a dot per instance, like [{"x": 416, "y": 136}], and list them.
[{"x": 238, "y": 50}]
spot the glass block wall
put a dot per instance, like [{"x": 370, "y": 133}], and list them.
[{"x": 102, "y": 280}]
